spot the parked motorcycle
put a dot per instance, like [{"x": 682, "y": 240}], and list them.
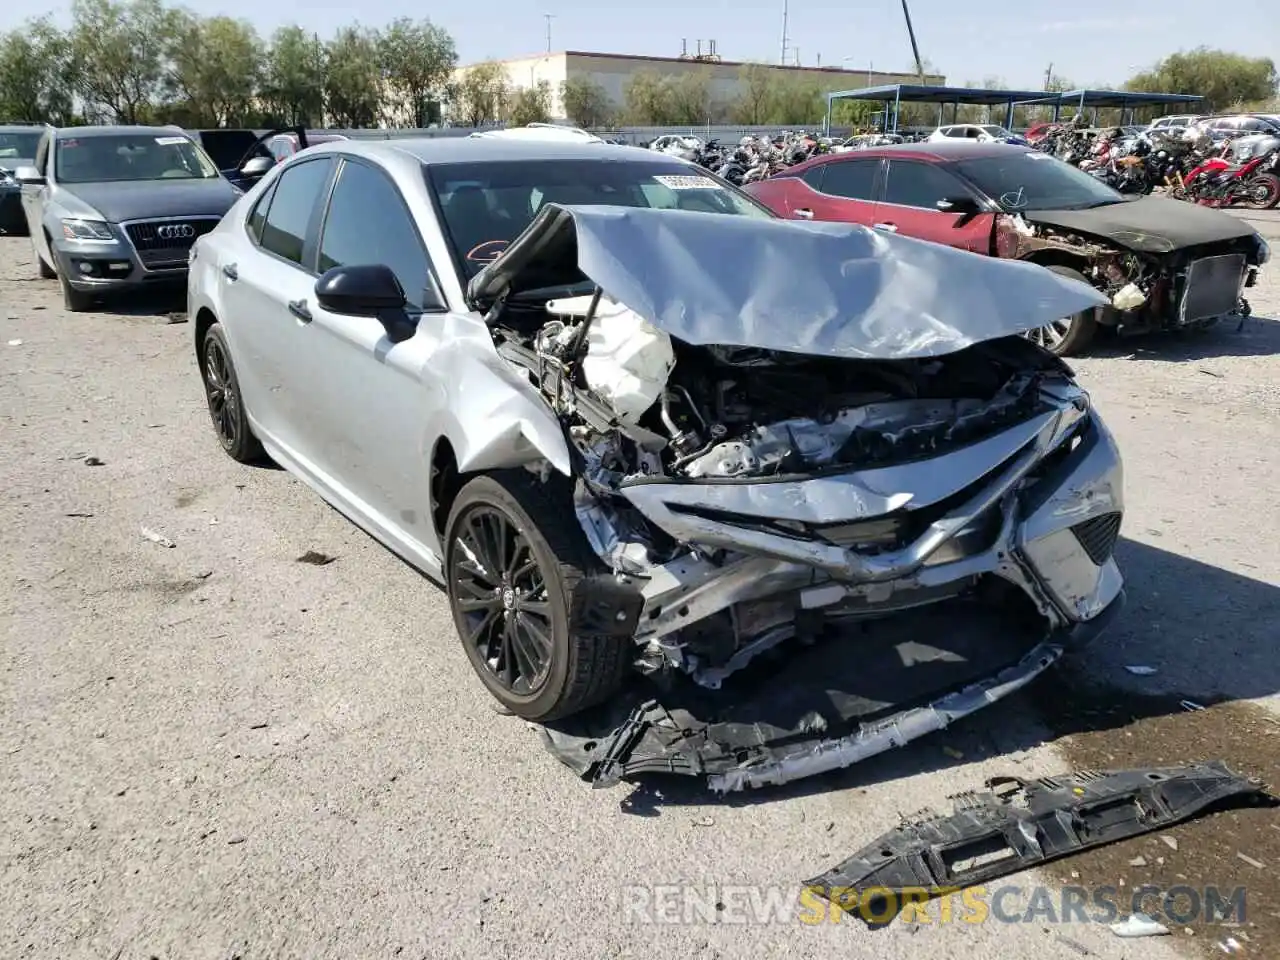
[{"x": 1217, "y": 181}]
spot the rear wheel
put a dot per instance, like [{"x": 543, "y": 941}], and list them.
[
  {"x": 1262, "y": 192},
  {"x": 1070, "y": 335},
  {"x": 226, "y": 405},
  {"x": 514, "y": 552}
]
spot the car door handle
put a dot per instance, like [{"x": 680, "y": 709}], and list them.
[
  {"x": 887, "y": 227},
  {"x": 230, "y": 272},
  {"x": 300, "y": 310},
  {"x": 803, "y": 213}
]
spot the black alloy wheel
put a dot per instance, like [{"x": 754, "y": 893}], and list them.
[
  {"x": 222, "y": 392},
  {"x": 502, "y": 600},
  {"x": 514, "y": 557}
]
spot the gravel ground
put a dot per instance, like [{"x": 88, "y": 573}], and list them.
[{"x": 215, "y": 751}]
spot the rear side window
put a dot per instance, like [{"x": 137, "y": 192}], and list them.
[
  {"x": 295, "y": 200},
  {"x": 258, "y": 216},
  {"x": 851, "y": 179}
]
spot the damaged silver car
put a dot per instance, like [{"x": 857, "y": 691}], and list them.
[{"x": 753, "y": 516}]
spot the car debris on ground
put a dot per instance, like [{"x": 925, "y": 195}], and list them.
[{"x": 1016, "y": 824}]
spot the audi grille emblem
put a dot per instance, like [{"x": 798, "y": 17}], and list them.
[{"x": 177, "y": 231}]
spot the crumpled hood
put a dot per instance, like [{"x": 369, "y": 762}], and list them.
[
  {"x": 147, "y": 199},
  {"x": 828, "y": 289},
  {"x": 1147, "y": 225}
]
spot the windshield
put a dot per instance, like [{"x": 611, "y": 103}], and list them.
[
  {"x": 131, "y": 156},
  {"x": 1028, "y": 180},
  {"x": 997, "y": 131},
  {"x": 15, "y": 146},
  {"x": 487, "y": 205}
]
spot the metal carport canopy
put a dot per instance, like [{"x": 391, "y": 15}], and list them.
[
  {"x": 1126, "y": 100},
  {"x": 921, "y": 93}
]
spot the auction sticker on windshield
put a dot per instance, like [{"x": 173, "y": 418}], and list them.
[
  {"x": 687, "y": 183},
  {"x": 170, "y": 141}
]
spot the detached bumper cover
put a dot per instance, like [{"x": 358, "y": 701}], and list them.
[
  {"x": 1018, "y": 824},
  {"x": 791, "y": 729}
]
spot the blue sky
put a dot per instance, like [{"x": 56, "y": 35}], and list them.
[{"x": 1088, "y": 41}]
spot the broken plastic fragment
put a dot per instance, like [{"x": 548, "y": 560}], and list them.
[
  {"x": 1139, "y": 925},
  {"x": 1141, "y": 670},
  {"x": 1129, "y": 297},
  {"x": 1016, "y": 824}
]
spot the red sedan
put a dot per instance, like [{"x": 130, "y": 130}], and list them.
[{"x": 1162, "y": 263}]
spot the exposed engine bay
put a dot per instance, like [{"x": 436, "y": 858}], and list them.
[
  {"x": 731, "y": 412},
  {"x": 1153, "y": 285}
]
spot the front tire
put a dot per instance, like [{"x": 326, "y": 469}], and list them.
[
  {"x": 514, "y": 551},
  {"x": 73, "y": 300},
  {"x": 226, "y": 402},
  {"x": 1070, "y": 335}
]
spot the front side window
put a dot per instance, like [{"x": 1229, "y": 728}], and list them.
[
  {"x": 295, "y": 200},
  {"x": 122, "y": 157},
  {"x": 487, "y": 204},
  {"x": 368, "y": 222},
  {"x": 1029, "y": 180},
  {"x": 919, "y": 184}
]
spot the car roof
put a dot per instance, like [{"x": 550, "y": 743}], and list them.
[
  {"x": 431, "y": 150},
  {"x": 24, "y": 127},
  {"x": 938, "y": 152},
  {"x": 85, "y": 133}
]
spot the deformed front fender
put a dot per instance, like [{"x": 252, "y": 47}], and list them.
[{"x": 491, "y": 415}]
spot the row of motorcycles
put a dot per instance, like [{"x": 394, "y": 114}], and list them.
[
  {"x": 1183, "y": 163},
  {"x": 755, "y": 158}
]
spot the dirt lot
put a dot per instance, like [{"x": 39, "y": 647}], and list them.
[{"x": 216, "y": 751}]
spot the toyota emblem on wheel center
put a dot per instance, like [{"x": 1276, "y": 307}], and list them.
[{"x": 176, "y": 231}]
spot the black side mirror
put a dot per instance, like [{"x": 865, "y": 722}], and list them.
[
  {"x": 360, "y": 290},
  {"x": 257, "y": 167},
  {"x": 958, "y": 205}
]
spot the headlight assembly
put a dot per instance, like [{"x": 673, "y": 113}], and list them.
[{"x": 86, "y": 230}]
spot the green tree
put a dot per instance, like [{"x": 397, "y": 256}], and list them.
[
  {"x": 214, "y": 68},
  {"x": 586, "y": 102},
  {"x": 118, "y": 54},
  {"x": 481, "y": 94},
  {"x": 353, "y": 78},
  {"x": 530, "y": 104},
  {"x": 752, "y": 105},
  {"x": 1224, "y": 79},
  {"x": 796, "y": 101},
  {"x": 418, "y": 59},
  {"x": 690, "y": 97},
  {"x": 35, "y": 73},
  {"x": 294, "y": 85},
  {"x": 648, "y": 97}
]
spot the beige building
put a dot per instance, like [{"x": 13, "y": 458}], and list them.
[{"x": 612, "y": 71}]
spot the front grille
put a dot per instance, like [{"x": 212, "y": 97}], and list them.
[
  {"x": 1212, "y": 287},
  {"x": 1098, "y": 536},
  {"x": 160, "y": 242}
]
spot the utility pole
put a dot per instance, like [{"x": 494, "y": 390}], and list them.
[
  {"x": 549, "y": 17},
  {"x": 786, "y": 41},
  {"x": 1048, "y": 76},
  {"x": 915, "y": 50}
]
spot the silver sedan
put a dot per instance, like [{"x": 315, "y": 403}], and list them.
[{"x": 653, "y": 440}]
